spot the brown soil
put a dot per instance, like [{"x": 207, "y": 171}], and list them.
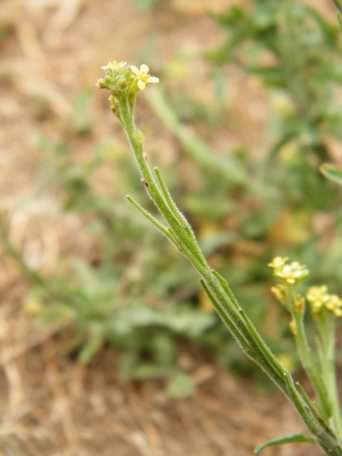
[
  {"x": 56, "y": 407},
  {"x": 50, "y": 404}
]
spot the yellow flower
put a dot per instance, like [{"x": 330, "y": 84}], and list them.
[
  {"x": 319, "y": 298},
  {"x": 317, "y": 293},
  {"x": 334, "y": 304},
  {"x": 114, "y": 66},
  {"x": 279, "y": 292},
  {"x": 143, "y": 77},
  {"x": 288, "y": 272},
  {"x": 278, "y": 262},
  {"x": 124, "y": 81},
  {"x": 338, "y": 312}
]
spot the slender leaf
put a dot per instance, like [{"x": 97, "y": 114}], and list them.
[
  {"x": 332, "y": 173},
  {"x": 294, "y": 438}
]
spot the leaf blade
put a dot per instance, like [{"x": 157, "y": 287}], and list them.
[
  {"x": 293, "y": 438},
  {"x": 332, "y": 173}
]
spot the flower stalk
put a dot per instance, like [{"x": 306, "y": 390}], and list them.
[{"x": 124, "y": 83}]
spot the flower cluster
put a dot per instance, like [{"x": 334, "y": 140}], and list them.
[
  {"x": 290, "y": 273},
  {"x": 125, "y": 80},
  {"x": 320, "y": 299}
]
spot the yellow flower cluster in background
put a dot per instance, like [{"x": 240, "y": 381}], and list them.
[
  {"x": 320, "y": 299},
  {"x": 317, "y": 296},
  {"x": 290, "y": 273}
]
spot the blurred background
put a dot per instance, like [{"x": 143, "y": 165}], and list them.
[{"x": 108, "y": 346}]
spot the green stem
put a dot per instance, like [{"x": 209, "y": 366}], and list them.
[
  {"x": 242, "y": 329},
  {"x": 333, "y": 394},
  {"x": 310, "y": 365},
  {"x": 326, "y": 327}
]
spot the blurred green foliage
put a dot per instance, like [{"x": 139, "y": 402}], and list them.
[
  {"x": 290, "y": 47},
  {"x": 135, "y": 294},
  {"x": 128, "y": 296},
  {"x": 146, "y": 4},
  {"x": 295, "y": 53},
  {"x": 332, "y": 172}
]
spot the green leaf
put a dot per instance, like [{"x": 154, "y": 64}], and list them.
[
  {"x": 96, "y": 339},
  {"x": 272, "y": 75},
  {"x": 332, "y": 173},
  {"x": 294, "y": 438},
  {"x": 145, "y": 5}
]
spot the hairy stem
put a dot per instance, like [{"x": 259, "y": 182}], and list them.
[{"x": 180, "y": 233}]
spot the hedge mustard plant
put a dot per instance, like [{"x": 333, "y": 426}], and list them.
[{"x": 323, "y": 419}]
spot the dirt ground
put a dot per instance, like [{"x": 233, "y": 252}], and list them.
[{"x": 51, "y": 405}]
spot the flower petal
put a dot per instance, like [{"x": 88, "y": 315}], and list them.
[
  {"x": 141, "y": 85},
  {"x": 135, "y": 70},
  {"x": 153, "y": 80},
  {"x": 144, "y": 69}
]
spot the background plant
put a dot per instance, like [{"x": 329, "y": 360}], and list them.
[
  {"x": 302, "y": 129},
  {"x": 261, "y": 206}
]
